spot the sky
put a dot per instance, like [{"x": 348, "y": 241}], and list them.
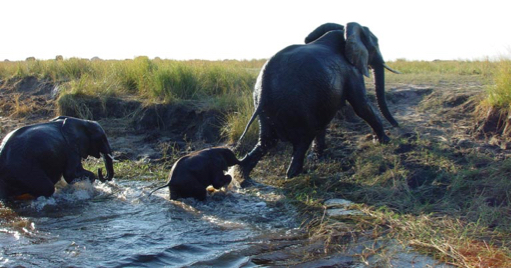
[{"x": 247, "y": 29}]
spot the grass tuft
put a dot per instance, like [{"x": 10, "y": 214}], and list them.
[
  {"x": 499, "y": 94},
  {"x": 493, "y": 112}
]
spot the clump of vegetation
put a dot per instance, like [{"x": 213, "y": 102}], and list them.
[
  {"x": 495, "y": 110},
  {"x": 499, "y": 94}
]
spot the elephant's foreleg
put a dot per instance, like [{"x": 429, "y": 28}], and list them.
[
  {"x": 88, "y": 175},
  {"x": 365, "y": 111},
  {"x": 74, "y": 170},
  {"x": 221, "y": 180},
  {"x": 79, "y": 174}
]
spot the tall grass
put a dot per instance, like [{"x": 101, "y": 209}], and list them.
[
  {"x": 162, "y": 80},
  {"x": 499, "y": 93},
  {"x": 425, "y": 72},
  {"x": 483, "y": 67},
  {"x": 223, "y": 85},
  {"x": 56, "y": 71},
  {"x": 185, "y": 81},
  {"x": 235, "y": 122}
]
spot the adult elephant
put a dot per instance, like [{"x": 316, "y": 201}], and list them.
[
  {"x": 301, "y": 88},
  {"x": 35, "y": 157}
]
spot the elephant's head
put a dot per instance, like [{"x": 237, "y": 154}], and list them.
[
  {"x": 362, "y": 51},
  {"x": 88, "y": 138},
  {"x": 321, "y": 30},
  {"x": 228, "y": 158}
]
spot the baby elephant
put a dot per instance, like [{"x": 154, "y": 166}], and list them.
[{"x": 193, "y": 173}]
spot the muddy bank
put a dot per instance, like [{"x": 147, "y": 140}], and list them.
[{"x": 31, "y": 100}]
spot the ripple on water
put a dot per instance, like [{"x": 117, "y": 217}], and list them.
[{"x": 117, "y": 224}]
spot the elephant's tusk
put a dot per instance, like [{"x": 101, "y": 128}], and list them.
[
  {"x": 390, "y": 69},
  {"x": 112, "y": 157}
]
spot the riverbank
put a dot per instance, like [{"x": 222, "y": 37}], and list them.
[{"x": 438, "y": 188}]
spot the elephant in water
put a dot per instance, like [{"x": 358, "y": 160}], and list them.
[
  {"x": 301, "y": 88},
  {"x": 35, "y": 157},
  {"x": 193, "y": 173}
]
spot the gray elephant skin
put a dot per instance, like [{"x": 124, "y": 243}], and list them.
[
  {"x": 35, "y": 157},
  {"x": 301, "y": 88},
  {"x": 193, "y": 173}
]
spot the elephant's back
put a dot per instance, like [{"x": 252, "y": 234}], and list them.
[
  {"x": 14, "y": 141},
  {"x": 296, "y": 93},
  {"x": 300, "y": 70},
  {"x": 187, "y": 168},
  {"x": 35, "y": 141}
]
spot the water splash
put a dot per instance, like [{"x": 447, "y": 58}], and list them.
[{"x": 118, "y": 224}]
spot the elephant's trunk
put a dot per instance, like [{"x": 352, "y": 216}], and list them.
[
  {"x": 108, "y": 159},
  {"x": 379, "y": 81}
]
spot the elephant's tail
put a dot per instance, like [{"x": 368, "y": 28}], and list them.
[
  {"x": 161, "y": 187},
  {"x": 254, "y": 115}
]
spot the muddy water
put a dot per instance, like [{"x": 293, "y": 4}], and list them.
[{"x": 117, "y": 224}]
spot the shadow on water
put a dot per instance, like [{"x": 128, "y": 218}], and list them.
[{"x": 117, "y": 224}]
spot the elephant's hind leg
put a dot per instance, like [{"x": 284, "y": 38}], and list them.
[
  {"x": 299, "y": 151},
  {"x": 267, "y": 140},
  {"x": 195, "y": 191},
  {"x": 37, "y": 184},
  {"x": 186, "y": 186},
  {"x": 319, "y": 144}
]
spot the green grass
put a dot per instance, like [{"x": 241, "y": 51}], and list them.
[
  {"x": 222, "y": 85},
  {"x": 493, "y": 112},
  {"x": 443, "y": 67},
  {"x": 448, "y": 202},
  {"x": 426, "y": 72},
  {"x": 161, "y": 80},
  {"x": 499, "y": 93},
  {"x": 428, "y": 195}
]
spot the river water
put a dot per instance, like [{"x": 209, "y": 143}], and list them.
[{"x": 117, "y": 224}]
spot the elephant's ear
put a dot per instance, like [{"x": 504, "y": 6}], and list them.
[
  {"x": 321, "y": 30},
  {"x": 229, "y": 157},
  {"x": 59, "y": 118},
  {"x": 74, "y": 133},
  {"x": 355, "y": 50}
]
